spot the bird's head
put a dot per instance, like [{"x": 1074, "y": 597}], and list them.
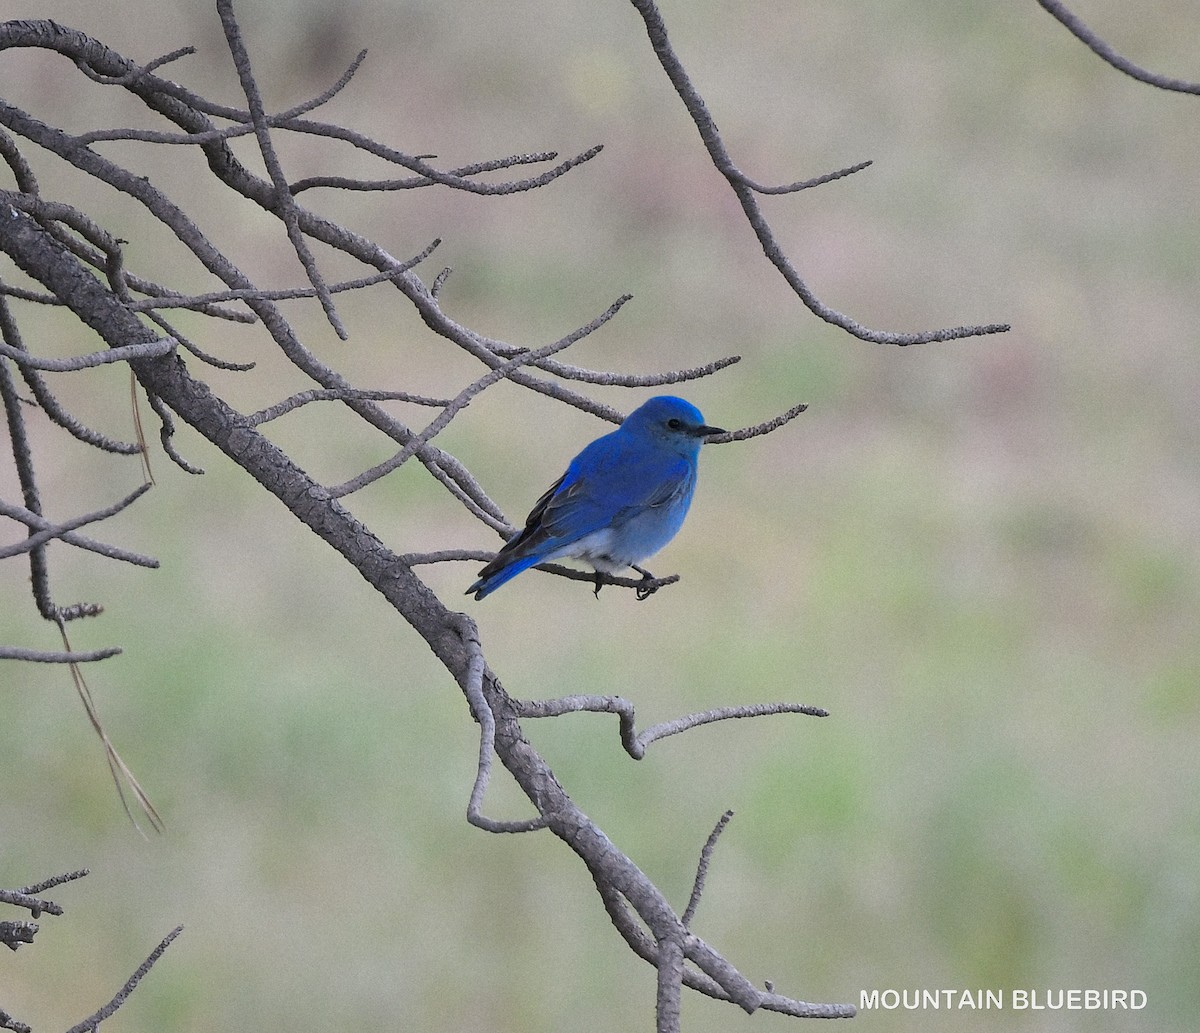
[{"x": 671, "y": 422}]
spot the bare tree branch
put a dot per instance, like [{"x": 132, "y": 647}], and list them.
[
  {"x": 8, "y": 1022},
  {"x": 759, "y": 428},
  {"x": 316, "y": 395},
  {"x": 1106, "y": 53},
  {"x": 689, "y": 912},
  {"x": 11, "y": 335},
  {"x": 13, "y": 934},
  {"x": 463, "y": 398},
  {"x": 47, "y": 531},
  {"x": 670, "y": 983},
  {"x": 134, "y": 74},
  {"x": 805, "y": 184},
  {"x": 745, "y": 189},
  {"x": 634, "y": 744},
  {"x": 285, "y": 206},
  {"x": 160, "y": 346},
  {"x": 44, "y": 530},
  {"x": 41, "y": 656},
  {"x": 97, "y": 1017}
]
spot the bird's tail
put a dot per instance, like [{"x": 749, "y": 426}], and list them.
[{"x": 503, "y": 568}]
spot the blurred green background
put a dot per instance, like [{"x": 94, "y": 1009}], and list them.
[{"x": 981, "y": 556}]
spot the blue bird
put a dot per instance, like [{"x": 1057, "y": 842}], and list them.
[{"x": 621, "y": 500}]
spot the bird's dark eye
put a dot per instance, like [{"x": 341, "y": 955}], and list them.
[{"x": 674, "y": 424}]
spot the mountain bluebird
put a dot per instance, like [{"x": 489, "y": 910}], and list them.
[{"x": 621, "y": 500}]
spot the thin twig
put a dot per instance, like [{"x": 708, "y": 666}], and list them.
[
  {"x": 32, "y": 904},
  {"x": 60, "y": 531},
  {"x": 166, "y": 434},
  {"x": 42, "y": 395},
  {"x": 41, "y": 656},
  {"x": 702, "y": 869},
  {"x": 57, "y": 880},
  {"x": 759, "y": 428},
  {"x": 321, "y": 395},
  {"x": 45, "y": 534},
  {"x": 21, "y": 169},
  {"x": 611, "y": 378},
  {"x": 124, "y": 353},
  {"x": 285, "y": 205},
  {"x": 8, "y": 1022},
  {"x": 89, "y": 1024},
  {"x": 805, "y": 184},
  {"x": 1106, "y": 53},
  {"x": 134, "y": 74},
  {"x": 414, "y": 559},
  {"x": 463, "y": 398},
  {"x": 201, "y": 301}
]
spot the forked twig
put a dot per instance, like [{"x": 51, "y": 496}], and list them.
[
  {"x": 463, "y": 398},
  {"x": 634, "y": 744},
  {"x": 285, "y": 205},
  {"x": 745, "y": 189}
]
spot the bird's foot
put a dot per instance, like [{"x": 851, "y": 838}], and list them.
[
  {"x": 644, "y": 591},
  {"x": 599, "y": 583}
]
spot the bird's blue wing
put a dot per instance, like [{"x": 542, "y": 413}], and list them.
[{"x": 606, "y": 486}]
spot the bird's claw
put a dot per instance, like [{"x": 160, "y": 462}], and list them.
[{"x": 647, "y": 588}]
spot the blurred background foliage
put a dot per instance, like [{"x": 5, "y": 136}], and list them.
[{"x": 981, "y": 556}]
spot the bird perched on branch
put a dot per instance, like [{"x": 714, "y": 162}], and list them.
[{"x": 620, "y": 501}]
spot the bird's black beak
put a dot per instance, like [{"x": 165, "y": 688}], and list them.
[{"x": 704, "y": 431}]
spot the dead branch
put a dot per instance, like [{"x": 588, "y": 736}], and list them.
[
  {"x": 745, "y": 189},
  {"x": 13, "y": 934},
  {"x": 1075, "y": 25},
  {"x": 90, "y": 1024}
]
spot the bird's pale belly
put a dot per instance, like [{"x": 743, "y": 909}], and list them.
[{"x": 612, "y": 549}]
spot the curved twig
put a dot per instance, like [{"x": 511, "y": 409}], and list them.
[
  {"x": 47, "y": 531},
  {"x": 473, "y": 688},
  {"x": 1106, "y": 53}
]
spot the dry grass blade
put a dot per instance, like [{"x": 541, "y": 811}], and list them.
[
  {"x": 116, "y": 766},
  {"x": 137, "y": 426}
]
